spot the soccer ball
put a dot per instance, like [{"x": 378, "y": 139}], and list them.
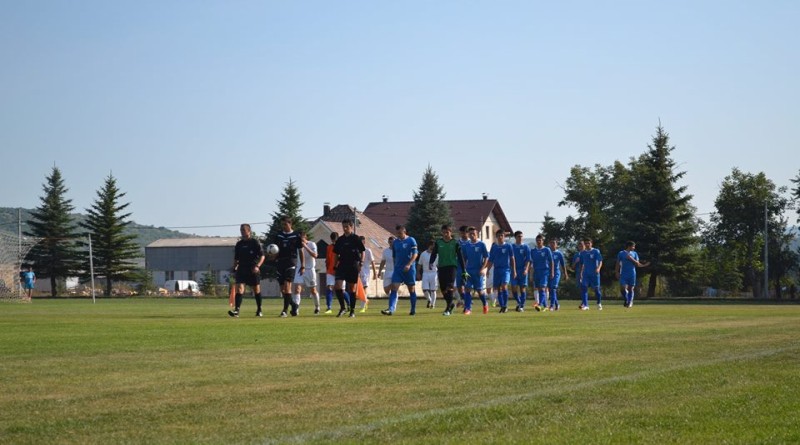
[{"x": 272, "y": 249}]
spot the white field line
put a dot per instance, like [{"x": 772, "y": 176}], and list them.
[{"x": 348, "y": 431}]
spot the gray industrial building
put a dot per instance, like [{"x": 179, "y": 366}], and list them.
[{"x": 189, "y": 258}]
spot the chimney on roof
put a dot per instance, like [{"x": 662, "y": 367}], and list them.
[
  {"x": 385, "y": 198},
  {"x": 485, "y": 196},
  {"x": 326, "y": 209}
]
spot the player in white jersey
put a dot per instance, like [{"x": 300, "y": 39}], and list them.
[
  {"x": 367, "y": 265},
  {"x": 429, "y": 274},
  {"x": 386, "y": 268},
  {"x": 308, "y": 277}
]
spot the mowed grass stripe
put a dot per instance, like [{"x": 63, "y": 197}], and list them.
[{"x": 152, "y": 371}]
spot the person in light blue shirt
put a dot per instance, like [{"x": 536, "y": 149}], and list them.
[
  {"x": 28, "y": 279},
  {"x": 627, "y": 262},
  {"x": 404, "y": 253},
  {"x": 591, "y": 263},
  {"x": 522, "y": 260},
  {"x": 476, "y": 256},
  {"x": 543, "y": 271},
  {"x": 501, "y": 259},
  {"x": 558, "y": 267}
]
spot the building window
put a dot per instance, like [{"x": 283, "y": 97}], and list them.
[
  {"x": 192, "y": 275},
  {"x": 169, "y": 275},
  {"x": 487, "y": 233}
]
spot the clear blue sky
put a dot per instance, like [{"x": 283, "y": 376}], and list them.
[{"x": 203, "y": 110}]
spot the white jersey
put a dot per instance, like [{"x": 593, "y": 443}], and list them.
[
  {"x": 424, "y": 262},
  {"x": 309, "y": 276},
  {"x": 368, "y": 260},
  {"x": 389, "y": 267},
  {"x": 310, "y": 261}
]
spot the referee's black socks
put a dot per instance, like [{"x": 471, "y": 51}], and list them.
[
  {"x": 238, "y": 301},
  {"x": 258, "y": 300},
  {"x": 340, "y": 297},
  {"x": 287, "y": 300}
]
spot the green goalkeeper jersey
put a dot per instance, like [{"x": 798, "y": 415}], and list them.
[{"x": 448, "y": 252}]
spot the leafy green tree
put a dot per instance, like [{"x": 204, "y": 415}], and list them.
[
  {"x": 113, "y": 249},
  {"x": 782, "y": 259},
  {"x": 56, "y": 256},
  {"x": 208, "y": 283},
  {"x": 796, "y": 194},
  {"x": 739, "y": 219},
  {"x": 429, "y": 211},
  {"x": 656, "y": 213}
]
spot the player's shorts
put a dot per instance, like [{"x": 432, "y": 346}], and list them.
[
  {"x": 521, "y": 280},
  {"x": 307, "y": 278},
  {"x": 489, "y": 281},
  {"x": 330, "y": 279},
  {"x": 429, "y": 281},
  {"x": 286, "y": 269},
  {"x": 501, "y": 277},
  {"x": 347, "y": 273},
  {"x": 540, "y": 278},
  {"x": 387, "y": 278},
  {"x": 27, "y": 285},
  {"x": 447, "y": 277},
  {"x": 408, "y": 278},
  {"x": 553, "y": 283},
  {"x": 245, "y": 275},
  {"x": 627, "y": 280},
  {"x": 475, "y": 281},
  {"x": 590, "y": 281}
]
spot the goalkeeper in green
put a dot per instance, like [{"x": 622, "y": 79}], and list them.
[{"x": 448, "y": 251}]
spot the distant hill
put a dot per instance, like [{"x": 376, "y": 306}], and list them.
[{"x": 145, "y": 234}]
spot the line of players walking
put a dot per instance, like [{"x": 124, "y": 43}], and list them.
[{"x": 462, "y": 268}]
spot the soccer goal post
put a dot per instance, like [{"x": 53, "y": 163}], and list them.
[{"x": 13, "y": 249}]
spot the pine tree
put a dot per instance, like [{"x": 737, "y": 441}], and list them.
[
  {"x": 55, "y": 257},
  {"x": 429, "y": 211},
  {"x": 656, "y": 213},
  {"x": 113, "y": 249},
  {"x": 289, "y": 205}
]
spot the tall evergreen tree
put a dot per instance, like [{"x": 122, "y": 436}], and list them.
[
  {"x": 656, "y": 213},
  {"x": 796, "y": 194},
  {"x": 55, "y": 257},
  {"x": 429, "y": 211},
  {"x": 289, "y": 205},
  {"x": 113, "y": 249}
]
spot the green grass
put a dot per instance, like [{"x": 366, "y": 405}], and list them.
[{"x": 181, "y": 371}]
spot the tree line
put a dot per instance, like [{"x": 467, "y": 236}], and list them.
[{"x": 642, "y": 200}]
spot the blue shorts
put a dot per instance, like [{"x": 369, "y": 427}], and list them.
[
  {"x": 521, "y": 280},
  {"x": 408, "y": 278},
  {"x": 501, "y": 277},
  {"x": 476, "y": 281},
  {"x": 553, "y": 284},
  {"x": 540, "y": 278},
  {"x": 591, "y": 280},
  {"x": 28, "y": 285},
  {"x": 627, "y": 280}
]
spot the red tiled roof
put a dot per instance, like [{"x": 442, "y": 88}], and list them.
[
  {"x": 375, "y": 235},
  {"x": 468, "y": 212}
]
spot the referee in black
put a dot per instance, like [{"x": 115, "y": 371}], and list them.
[
  {"x": 349, "y": 250},
  {"x": 247, "y": 259},
  {"x": 289, "y": 245}
]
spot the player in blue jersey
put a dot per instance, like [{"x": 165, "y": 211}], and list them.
[
  {"x": 627, "y": 262},
  {"x": 501, "y": 260},
  {"x": 575, "y": 264},
  {"x": 558, "y": 268},
  {"x": 404, "y": 253},
  {"x": 476, "y": 256},
  {"x": 591, "y": 263},
  {"x": 522, "y": 260},
  {"x": 543, "y": 270}
]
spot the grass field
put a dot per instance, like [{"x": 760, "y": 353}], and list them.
[{"x": 181, "y": 371}]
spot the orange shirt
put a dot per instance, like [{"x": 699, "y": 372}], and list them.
[{"x": 330, "y": 260}]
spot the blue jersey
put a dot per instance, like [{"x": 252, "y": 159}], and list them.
[
  {"x": 475, "y": 254},
  {"x": 28, "y": 278},
  {"x": 591, "y": 259},
  {"x": 522, "y": 255},
  {"x": 627, "y": 267},
  {"x": 462, "y": 243},
  {"x": 500, "y": 256},
  {"x": 402, "y": 252},
  {"x": 558, "y": 261},
  {"x": 541, "y": 259}
]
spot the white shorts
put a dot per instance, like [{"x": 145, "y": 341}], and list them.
[
  {"x": 429, "y": 281},
  {"x": 330, "y": 279},
  {"x": 490, "y": 278},
  {"x": 307, "y": 279},
  {"x": 387, "y": 278},
  {"x": 364, "y": 275}
]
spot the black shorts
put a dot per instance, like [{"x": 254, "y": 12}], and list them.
[
  {"x": 447, "y": 277},
  {"x": 347, "y": 273},
  {"x": 245, "y": 275},
  {"x": 286, "y": 269}
]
